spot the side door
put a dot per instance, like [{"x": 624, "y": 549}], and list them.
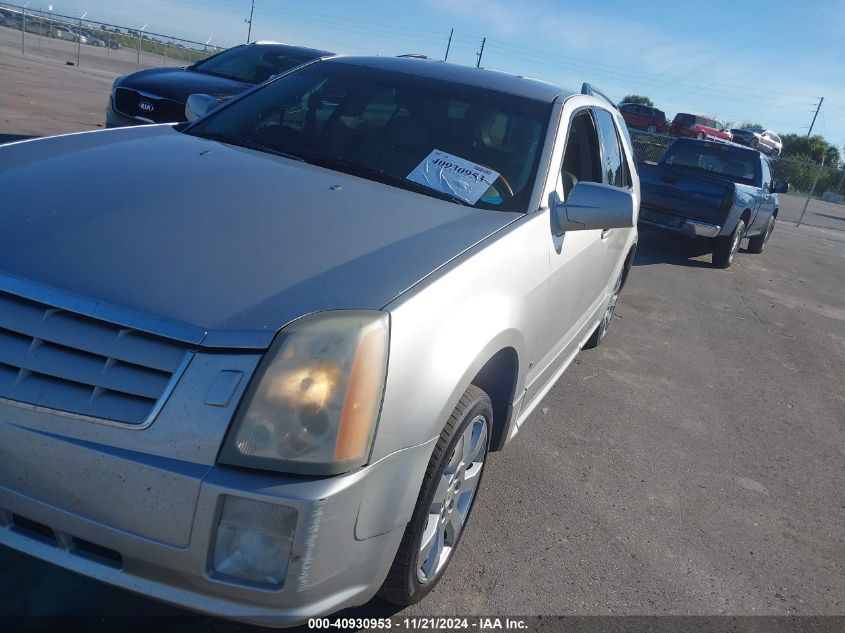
[
  {"x": 615, "y": 172},
  {"x": 576, "y": 258},
  {"x": 767, "y": 198}
]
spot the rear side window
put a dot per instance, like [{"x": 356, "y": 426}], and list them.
[
  {"x": 686, "y": 119},
  {"x": 582, "y": 159},
  {"x": 612, "y": 169}
]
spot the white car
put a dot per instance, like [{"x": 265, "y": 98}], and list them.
[{"x": 764, "y": 140}]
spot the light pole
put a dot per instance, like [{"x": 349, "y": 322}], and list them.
[
  {"x": 205, "y": 48},
  {"x": 138, "y": 66},
  {"x": 50, "y": 10},
  {"x": 249, "y": 30},
  {"x": 23, "y": 28},
  {"x": 79, "y": 38}
]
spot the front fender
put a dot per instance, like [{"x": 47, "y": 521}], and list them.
[{"x": 445, "y": 331}]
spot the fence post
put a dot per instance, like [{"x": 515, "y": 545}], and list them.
[
  {"x": 23, "y": 31},
  {"x": 812, "y": 190}
]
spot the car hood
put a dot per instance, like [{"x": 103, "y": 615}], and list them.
[
  {"x": 179, "y": 84},
  {"x": 198, "y": 233}
]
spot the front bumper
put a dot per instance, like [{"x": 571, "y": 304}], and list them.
[
  {"x": 676, "y": 224},
  {"x": 348, "y": 531}
]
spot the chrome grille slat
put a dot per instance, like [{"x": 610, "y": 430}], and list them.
[
  {"x": 104, "y": 339},
  {"x": 58, "y": 360},
  {"x": 51, "y": 360}
]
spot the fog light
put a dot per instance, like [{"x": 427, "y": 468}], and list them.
[{"x": 254, "y": 540}]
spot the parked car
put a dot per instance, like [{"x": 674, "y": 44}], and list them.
[
  {"x": 700, "y": 127},
  {"x": 158, "y": 95},
  {"x": 269, "y": 388},
  {"x": 764, "y": 140},
  {"x": 64, "y": 33},
  {"x": 96, "y": 41},
  {"x": 714, "y": 190},
  {"x": 643, "y": 117}
]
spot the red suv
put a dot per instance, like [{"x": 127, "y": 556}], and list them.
[
  {"x": 697, "y": 126},
  {"x": 643, "y": 117}
]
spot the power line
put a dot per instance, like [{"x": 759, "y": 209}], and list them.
[
  {"x": 698, "y": 50},
  {"x": 663, "y": 80},
  {"x": 733, "y": 50}
]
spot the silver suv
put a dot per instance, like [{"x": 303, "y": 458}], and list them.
[{"x": 262, "y": 378}]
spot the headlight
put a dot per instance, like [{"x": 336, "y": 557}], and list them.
[
  {"x": 117, "y": 81},
  {"x": 312, "y": 406}
]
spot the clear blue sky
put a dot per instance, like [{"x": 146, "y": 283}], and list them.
[{"x": 752, "y": 60}]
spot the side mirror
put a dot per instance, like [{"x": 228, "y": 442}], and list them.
[
  {"x": 780, "y": 186},
  {"x": 594, "y": 206},
  {"x": 198, "y": 105}
]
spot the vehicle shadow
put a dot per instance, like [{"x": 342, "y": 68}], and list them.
[
  {"x": 11, "y": 138},
  {"x": 657, "y": 247}
]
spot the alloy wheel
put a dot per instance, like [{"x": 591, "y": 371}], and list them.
[{"x": 453, "y": 499}]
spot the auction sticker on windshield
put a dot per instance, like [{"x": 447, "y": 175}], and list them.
[{"x": 454, "y": 175}]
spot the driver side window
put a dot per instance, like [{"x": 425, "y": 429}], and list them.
[{"x": 581, "y": 158}]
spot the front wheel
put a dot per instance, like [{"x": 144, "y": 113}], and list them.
[
  {"x": 727, "y": 246},
  {"x": 651, "y": 129},
  {"x": 449, "y": 489},
  {"x": 758, "y": 243}
]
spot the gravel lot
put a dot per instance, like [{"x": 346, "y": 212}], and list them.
[{"x": 691, "y": 465}]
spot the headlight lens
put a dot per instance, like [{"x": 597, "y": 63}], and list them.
[{"x": 314, "y": 402}]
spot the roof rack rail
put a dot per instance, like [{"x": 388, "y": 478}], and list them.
[{"x": 587, "y": 89}]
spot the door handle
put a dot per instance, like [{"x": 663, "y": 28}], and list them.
[{"x": 605, "y": 234}]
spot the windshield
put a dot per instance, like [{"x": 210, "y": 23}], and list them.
[
  {"x": 715, "y": 158},
  {"x": 471, "y": 145},
  {"x": 252, "y": 64}
]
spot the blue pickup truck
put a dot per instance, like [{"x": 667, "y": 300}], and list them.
[{"x": 712, "y": 189}]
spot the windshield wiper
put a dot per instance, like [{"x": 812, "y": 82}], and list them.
[
  {"x": 376, "y": 174},
  {"x": 243, "y": 142}
]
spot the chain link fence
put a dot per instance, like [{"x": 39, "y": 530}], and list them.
[{"x": 80, "y": 40}]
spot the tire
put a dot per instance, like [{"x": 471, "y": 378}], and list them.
[
  {"x": 465, "y": 436},
  {"x": 775, "y": 153},
  {"x": 754, "y": 143},
  {"x": 758, "y": 243},
  {"x": 700, "y": 136},
  {"x": 728, "y": 246},
  {"x": 601, "y": 330},
  {"x": 651, "y": 129}
]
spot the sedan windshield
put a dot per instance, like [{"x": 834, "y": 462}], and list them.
[
  {"x": 737, "y": 165},
  {"x": 467, "y": 144},
  {"x": 251, "y": 64}
]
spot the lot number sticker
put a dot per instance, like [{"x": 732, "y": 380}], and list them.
[{"x": 452, "y": 174}]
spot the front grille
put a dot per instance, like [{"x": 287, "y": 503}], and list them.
[
  {"x": 129, "y": 102},
  {"x": 71, "y": 363}
]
